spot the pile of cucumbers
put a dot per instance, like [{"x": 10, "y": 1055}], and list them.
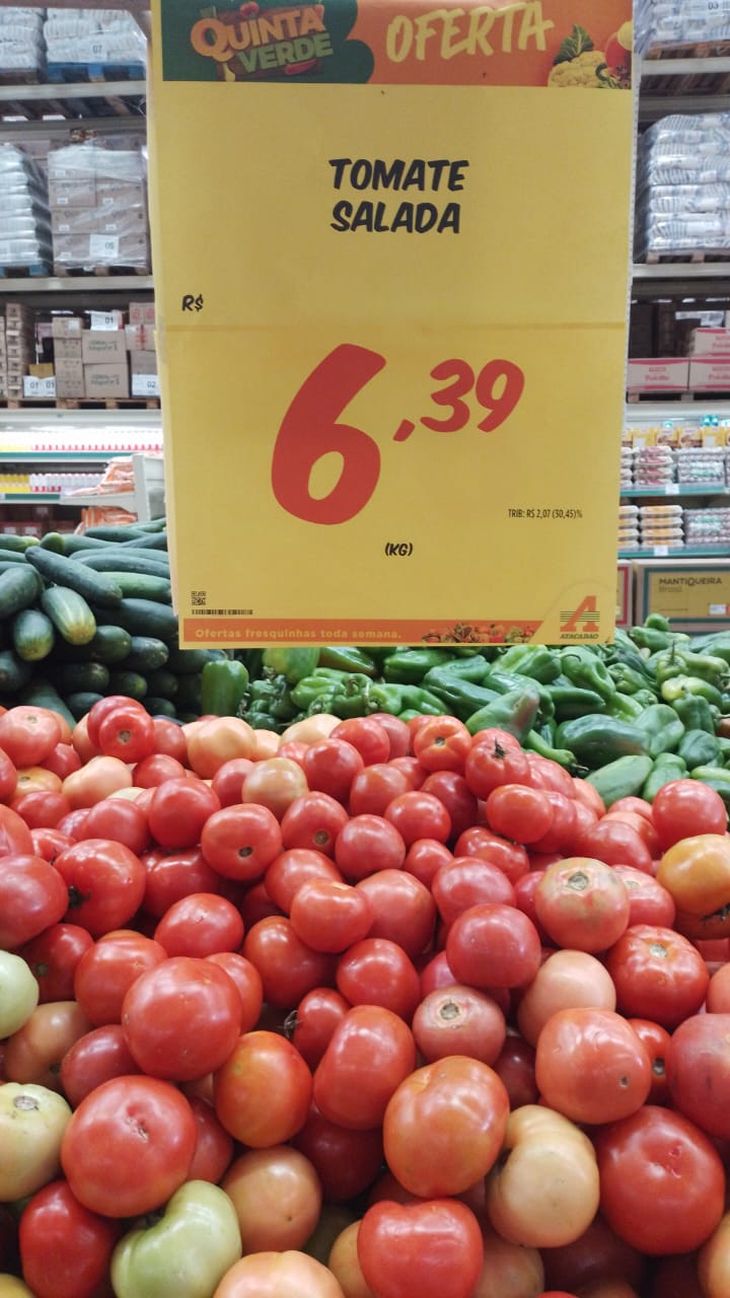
[{"x": 84, "y": 616}]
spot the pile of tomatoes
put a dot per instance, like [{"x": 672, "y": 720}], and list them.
[{"x": 370, "y": 1010}]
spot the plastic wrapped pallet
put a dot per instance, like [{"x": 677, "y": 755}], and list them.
[
  {"x": 98, "y": 207},
  {"x": 25, "y": 230},
  {"x": 22, "y": 50},
  {"x": 104, "y": 36},
  {"x": 683, "y": 186},
  {"x": 666, "y": 24}
]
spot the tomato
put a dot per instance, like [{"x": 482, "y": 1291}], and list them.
[
  {"x": 200, "y": 925},
  {"x": 411, "y": 768},
  {"x": 181, "y": 1019},
  {"x": 510, "y": 858},
  {"x": 292, "y": 870},
  {"x": 247, "y": 981},
  {"x": 42, "y": 809},
  {"x": 310, "y": 731},
  {"x": 101, "y": 777},
  {"x": 515, "y": 1065},
  {"x": 288, "y": 968},
  {"x": 217, "y": 741},
  {"x": 257, "y": 905},
  {"x": 170, "y": 878},
  {"x": 432, "y": 1249},
  {"x": 489, "y": 766},
  {"x": 419, "y": 815},
  {"x": 278, "y": 1275},
  {"x": 15, "y": 836},
  {"x": 493, "y": 946},
  {"x": 347, "y": 1161},
  {"x": 367, "y": 844},
  {"x": 313, "y": 821},
  {"x": 33, "y": 1054},
  {"x": 72, "y": 825},
  {"x": 713, "y": 1263},
  {"x": 105, "y": 881},
  {"x": 331, "y": 766},
  {"x": 170, "y": 740},
  {"x": 467, "y": 881},
  {"x": 263, "y": 1091},
  {"x": 36, "y": 779},
  {"x": 658, "y": 1158},
  {"x": 649, "y": 902},
  {"x": 454, "y": 793},
  {"x": 53, "y": 957},
  {"x": 582, "y": 904},
  {"x": 94, "y": 1058},
  {"x": 274, "y": 784},
  {"x": 375, "y": 787},
  {"x": 683, "y": 809},
  {"x": 154, "y": 770},
  {"x": 696, "y": 872},
  {"x": 83, "y": 746},
  {"x": 178, "y": 811},
  {"x": 105, "y": 973},
  {"x": 442, "y": 744},
  {"x": 268, "y": 744},
  {"x": 241, "y": 841},
  {"x": 344, "y": 1263},
  {"x": 8, "y": 777},
  {"x": 615, "y": 843},
  {"x": 598, "y": 1254},
  {"x": 591, "y": 1066},
  {"x": 370, "y": 1053},
  {"x": 444, "y": 1126},
  {"x": 658, "y": 975},
  {"x": 119, "y": 821},
  {"x": 277, "y": 1197},
  {"x": 32, "y": 897},
  {"x": 49, "y": 843},
  {"x": 424, "y": 859},
  {"x": 402, "y": 910},
  {"x": 698, "y": 1072},
  {"x": 28, "y": 735},
  {"x": 128, "y": 1146},
  {"x": 126, "y": 732},
  {"x": 655, "y": 1040},
  {"x": 65, "y": 1250},
  {"x": 331, "y": 916},
  {"x": 316, "y": 1017},
  {"x": 519, "y": 813},
  {"x": 550, "y": 777},
  {"x": 397, "y": 731},
  {"x": 644, "y": 828},
  {"x": 718, "y": 992},
  {"x": 378, "y": 972},
  {"x": 568, "y": 980},
  {"x": 366, "y": 735}
]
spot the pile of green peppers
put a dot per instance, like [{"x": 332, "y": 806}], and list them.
[{"x": 652, "y": 707}]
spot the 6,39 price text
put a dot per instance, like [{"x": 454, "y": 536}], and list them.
[{"x": 310, "y": 428}]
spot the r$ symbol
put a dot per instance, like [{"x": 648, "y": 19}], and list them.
[
  {"x": 399, "y": 549},
  {"x": 192, "y": 303}
]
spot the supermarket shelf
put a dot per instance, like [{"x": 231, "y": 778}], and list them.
[
  {"x": 75, "y": 90},
  {"x": 34, "y": 497},
  {"x": 681, "y": 552},
  {"x": 651, "y": 69},
  {"x": 652, "y": 107},
  {"x": 60, "y": 457},
  {"x": 675, "y": 489},
  {"x": 92, "y": 500},
  {"x": 29, "y": 418},
  {"x": 78, "y": 284},
  {"x": 658, "y": 412},
  {"x": 682, "y": 270},
  {"x": 55, "y": 128}
]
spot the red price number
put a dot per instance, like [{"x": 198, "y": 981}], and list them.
[{"x": 311, "y": 428}]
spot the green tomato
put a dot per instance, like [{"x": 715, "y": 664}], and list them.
[
  {"x": 18, "y": 993},
  {"x": 186, "y": 1254},
  {"x": 32, "y": 1122}
]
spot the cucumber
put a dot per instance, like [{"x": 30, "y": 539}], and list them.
[
  {"x": 82, "y": 678},
  {"x": 131, "y": 684},
  {"x": 150, "y": 541},
  {"x": 33, "y": 635},
  {"x": 70, "y": 542},
  {"x": 162, "y": 684},
  {"x": 142, "y": 586},
  {"x": 94, "y": 586},
  {"x": 19, "y": 588},
  {"x": 8, "y": 541},
  {"x": 80, "y": 704},
  {"x": 11, "y": 566},
  {"x": 41, "y": 694},
  {"x": 146, "y": 654},
  {"x": 14, "y": 673},
  {"x": 12, "y": 556},
  {"x": 53, "y": 541},
  {"x": 160, "y": 708},
  {"x": 110, "y": 645},
  {"x": 70, "y": 614},
  {"x": 119, "y": 562},
  {"x": 189, "y": 662},
  {"x": 188, "y": 694},
  {"x": 144, "y": 617},
  {"x": 624, "y": 778},
  {"x": 113, "y": 532}
]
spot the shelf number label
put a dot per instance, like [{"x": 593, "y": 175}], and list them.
[
  {"x": 104, "y": 245},
  {"x": 311, "y": 428}
]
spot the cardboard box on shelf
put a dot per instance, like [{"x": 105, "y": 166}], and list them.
[
  {"x": 140, "y": 338},
  {"x": 106, "y": 380},
  {"x": 710, "y": 343},
  {"x": 103, "y": 346},
  {"x": 141, "y": 313},
  {"x": 143, "y": 362},
  {"x": 693, "y": 593},
  {"x": 624, "y": 595},
  {"x": 67, "y": 349},
  {"x": 145, "y": 385},
  {"x": 34, "y": 387},
  {"x": 668, "y": 374},
  {"x": 70, "y": 378},
  {"x": 707, "y": 375},
  {"x": 67, "y": 326},
  {"x": 18, "y": 313},
  {"x": 80, "y": 192}
]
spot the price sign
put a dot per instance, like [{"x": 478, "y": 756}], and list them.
[{"x": 392, "y": 340}]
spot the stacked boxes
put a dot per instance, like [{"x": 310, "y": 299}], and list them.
[
  {"x": 104, "y": 354},
  {"x": 99, "y": 362},
  {"x": 21, "y": 42},
  {"x": 67, "y": 356},
  {"x": 143, "y": 350},
  {"x": 104, "y": 36},
  {"x": 98, "y": 208},
  {"x": 683, "y": 186},
  {"x": 19, "y": 347},
  {"x": 667, "y": 24},
  {"x": 25, "y": 229}
]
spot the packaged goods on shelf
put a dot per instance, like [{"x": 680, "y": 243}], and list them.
[
  {"x": 702, "y": 467},
  {"x": 25, "y": 229},
  {"x": 102, "y": 36},
  {"x": 22, "y": 49},
  {"x": 663, "y": 24},
  {"x": 687, "y": 161},
  {"x": 711, "y": 343},
  {"x": 670, "y": 374},
  {"x": 707, "y": 527},
  {"x": 98, "y": 207},
  {"x": 624, "y": 595},
  {"x": 709, "y": 374},
  {"x": 694, "y": 594}
]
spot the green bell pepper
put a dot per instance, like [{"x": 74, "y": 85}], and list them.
[
  {"x": 223, "y": 688},
  {"x": 655, "y": 641},
  {"x": 627, "y": 707},
  {"x": 624, "y": 778},
  {"x": 627, "y": 679},
  {"x": 668, "y": 768},
  {"x": 700, "y": 749},
  {"x": 510, "y": 682},
  {"x": 409, "y": 666},
  {"x": 598, "y": 740},
  {"x": 272, "y": 695},
  {"x": 680, "y": 685},
  {"x": 709, "y": 667},
  {"x": 516, "y": 713},
  {"x": 535, "y": 743},
  {"x": 346, "y": 658},
  {"x": 662, "y": 729},
  {"x": 264, "y": 721},
  {"x": 695, "y": 713},
  {"x": 186, "y": 1253},
  {"x": 397, "y": 699},
  {"x": 466, "y": 669},
  {"x": 294, "y": 664},
  {"x": 461, "y": 697},
  {"x": 536, "y": 661},
  {"x": 586, "y": 670},
  {"x": 571, "y": 702},
  {"x": 658, "y": 622}
]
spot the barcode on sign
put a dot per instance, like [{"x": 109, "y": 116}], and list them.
[{"x": 224, "y": 612}]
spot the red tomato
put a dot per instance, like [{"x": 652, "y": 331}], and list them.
[
  {"x": 34, "y": 1053},
  {"x": 561, "y": 833},
  {"x": 402, "y": 910},
  {"x": 241, "y": 841},
  {"x": 15, "y": 839},
  {"x": 454, "y": 793},
  {"x": 49, "y": 843},
  {"x": 65, "y": 1250},
  {"x": 680, "y": 810},
  {"x": 436, "y": 974},
  {"x": 649, "y": 902},
  {"x": 419, "y": 815},
  {"x": 120, "y": 821},
  {"x": 597, "y": 1255},
  {"x": 655, "y": 1040},
  {"x": 516, "y": 1067},
  {"x": 591, "y": 1066},
  {"x": 181, "y": 1019},
  {"x": 317, "y": 1016},
  {"x": 216, "y": 740},
  {"x": 432, "y": 1249},
  {"x": 292, "y": 870},
  {"x": 467, "y": 881},
  {"x": 493, "y": 736},
  {"x": 370, "y": 1053},
  {"x": 346, "y": 1161},
  {"x": 82, "y": 744},
  {"x": 214, "y": 1147},
  {"x": 379, "y": 973},
  {"x": 247, "y": 981},
  {"x": 698, "y": 1072},
  {"x": 367, "y": 844},
  {"x": 331, "y": 766},
  {"x": 582, "y": 904},
  {"x": 53, "y": 957},
  {"x": 397, "y": 731},
  {"x": 126, "y": 732},
  {"x": 277, "y": 782},
  {"x": 99, "y": 778},
  {"x": 41, "y": 810},
  {"x": 442, "y": 744},
  {"x": 95, "y": 1058},
  {"x": 459, "y": 1021},
  {"x": 547, "y": 775},
  {"x": 658, "y": 1158},
  {"x": 154, "y": 770},
  {"x": 424, "y": 859},
  {"x": 107, "y": 970},
  {"x": 178, "y": 812},
  {"x": 313, "y": 821},
  {"x": 567, "y": 980},
  {"x": 288, "y": 968},
  {"x": 331, "y": 916},
  {"x": 170, "y": 739},
  {"x": 412, "y": 769},
  {"x": 591, "y": 798},
  {"x": 278, "y": 1275},
  {"x": 72, "y": 825},
  {"x": 658, "y": 975},
  {"x": 643, "y": 827},
  {"x": 229, "y": 779},
  {"x": 200, "y": 925},
  {"x": 128, "y": 1146},
  {"x": 106, "y": 884},
  {"x": 33, "y": 896},
  {"x": 28, "y": 735},
  {"x": 718, "y": 992},
  {"x": 263, "y": 1091},
  {"x": 519, "y": 813},
  {"x": 511, "y": 858},
  {"x": 8, "y": 777},
  {"x": 615, "y": 843},
  {"x": 375, "y": 787},
  {"x": 489, "y": 766},
  {"x": 101, "y": 710},
  {"x": 525, "y": 890},
  {"x": 369, "y": 738},
  {"x": 170, "y": 878},
  {"x": 493, "y": 946},
  {"x": 257, "y": 905}
]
